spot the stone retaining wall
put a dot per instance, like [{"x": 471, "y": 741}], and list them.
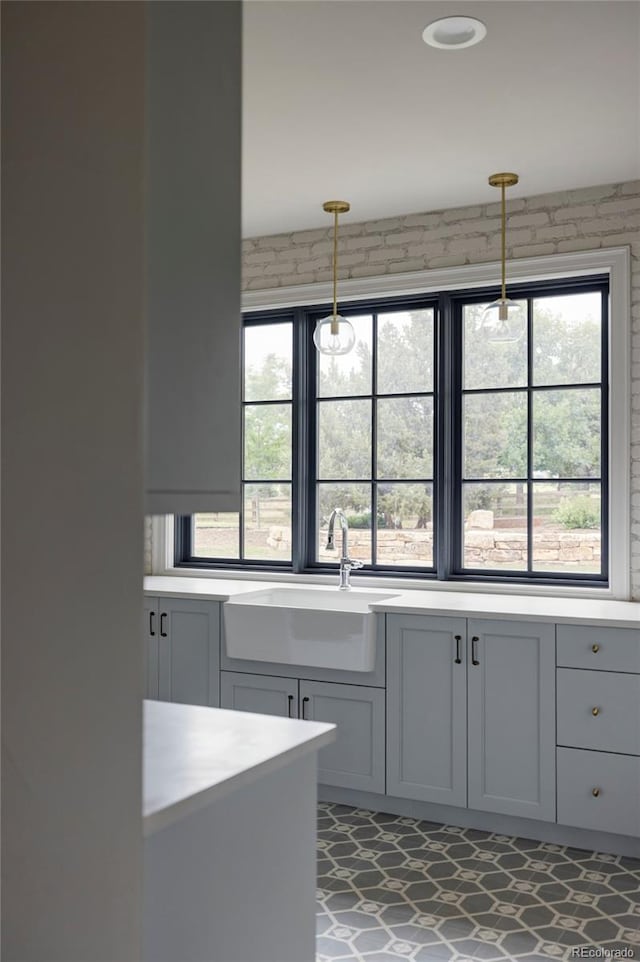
[{"x": 483, "y": 548}]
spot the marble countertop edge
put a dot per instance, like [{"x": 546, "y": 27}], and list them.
[{"x": 171, "y": 791}]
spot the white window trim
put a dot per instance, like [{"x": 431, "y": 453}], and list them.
[{"x": 614, "y": 261}]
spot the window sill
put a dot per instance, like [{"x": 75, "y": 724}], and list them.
[{"x": 399, "y": 583}]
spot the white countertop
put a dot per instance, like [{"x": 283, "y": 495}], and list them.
[
  {"x": 621, "y": 614},
  {"x": 195, "y": 755},
  {"x": 593, "y": 611}
]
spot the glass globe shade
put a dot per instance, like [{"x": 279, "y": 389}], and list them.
[
  {"x": 334, "y": 335},
  {"x": 504, "y": 321}
]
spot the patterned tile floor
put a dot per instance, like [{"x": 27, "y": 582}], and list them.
[{"x": 392, "y": 888}]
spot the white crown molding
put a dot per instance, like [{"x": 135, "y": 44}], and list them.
[{"x": 447, "y": 278}]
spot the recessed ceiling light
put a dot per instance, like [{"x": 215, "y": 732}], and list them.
[{"x": 454, "y": 33}]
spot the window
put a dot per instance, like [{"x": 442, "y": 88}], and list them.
[
  {"x": 374, "y": 416},
  {"x": 453, "y": 457},
  {"x": 533, "y": 439},
  {"x": 261, "y": 531}
]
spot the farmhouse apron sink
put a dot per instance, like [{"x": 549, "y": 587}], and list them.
[{"x": 318, "y": 627}]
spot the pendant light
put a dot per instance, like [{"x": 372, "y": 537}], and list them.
[
  {"x": 334, "y": 334},
  {"x": 503, "y": 320}
]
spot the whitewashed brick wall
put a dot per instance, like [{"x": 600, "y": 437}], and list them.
[
  {"x": 571, "y": 220},
  {"x": 147, "y": 546}
]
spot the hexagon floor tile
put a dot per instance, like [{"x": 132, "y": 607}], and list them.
[{"x": 395, "y": 889}]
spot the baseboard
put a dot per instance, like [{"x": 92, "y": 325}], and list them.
[{"x": 485, "y": 821}]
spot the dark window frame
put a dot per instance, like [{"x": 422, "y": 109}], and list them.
[
  {"x": 447, "y": 453},
  {"x": 374, "y": 307}
]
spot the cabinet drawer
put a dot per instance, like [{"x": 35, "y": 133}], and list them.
[
  {"x": 615, "y": 780},
  {"x": 599, "y": 710},
  {"x": 603, "y": 649}
]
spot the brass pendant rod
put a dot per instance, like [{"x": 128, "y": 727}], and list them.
[
  {"x": 335, "y": 207},
  {"x": 504, "y": 242},
  {"x": 335, "y": 263},
  {"x": 503, "y": 180}
]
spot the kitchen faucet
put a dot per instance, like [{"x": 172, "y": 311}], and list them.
[{"x": 346, "y": 564}]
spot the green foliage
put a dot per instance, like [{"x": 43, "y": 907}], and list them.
[
  {"x": 566, "y": 421},
  {"x": 402, "y": 504},
  {"x": 579, "y": 512},
  {"x": 267, "y": 442},
  {"x": 482, "y": 498},
  {"x": 269, "y": 382},
  {"x": 364, "y": 520}
]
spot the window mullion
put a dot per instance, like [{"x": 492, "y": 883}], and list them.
[
  {"x": 446, "y": 480},
  {"x": 529, "y": 435},
  {"x": 374, "y": 438},
  {"x": 301, "y": 433}
]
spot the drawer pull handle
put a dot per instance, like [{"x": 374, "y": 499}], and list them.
[
  {"x": 595, "y": 792},
  {"x": 304, "y": 702},
  {"x": 595, "y": 649},
  {"x": 474, "y": 650},
  {"x": 458, "y": 639},
  {"x": 290, "y": 704},
  {"x": 595, "y": 711}
]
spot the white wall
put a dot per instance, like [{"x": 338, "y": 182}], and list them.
[{"x": 72, "y": 361}]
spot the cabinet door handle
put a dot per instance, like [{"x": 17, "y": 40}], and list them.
[
  {"x": 304, "y": 701},
  {"x": 163, "y": 633},
  {"x": 458, "y": 639},
  {"x": 474, "y": 650},
  {"x": 152, "y": 615},
  {"x": 595, "y": 792},
  {"x": 595, "y": 711},
  {"x": 595, "y": 649},
  {"x": 290, "y": 705}
]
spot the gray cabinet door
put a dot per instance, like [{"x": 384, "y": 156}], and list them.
[
  {"x": 511, "y": 743},
  {"x": 263, "y": 694},
  {"x": 427, "y": 708},
  {"x": 356, "y": 758},
  {"x": 150, "y": 650},
  {"x": 189, "y": 651},
  {"x": 193, "y": 431}
]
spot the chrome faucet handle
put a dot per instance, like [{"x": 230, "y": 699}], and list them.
[{"x": 351, "y": 564}]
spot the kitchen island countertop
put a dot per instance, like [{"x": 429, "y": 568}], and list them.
[{"x": 195, "y": 755}]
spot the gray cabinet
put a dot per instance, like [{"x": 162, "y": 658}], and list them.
[
  {"x": 356, "y": 758},
  {"x": 599, "y": 728},
  {"x": 511, "y": 704},
  {"x": 599, "y": 790},
  {"x": 471, "y": 713},
  {"x": 598, "y": 648},
  {"x": 151, "y": 648},
  {"x": 182, "y": 650},
  {"x": 427, "y": 708},
  {"x": 599, "y": 710},
  {"x": 193, "y": 243},
  {"x": 262, "y": 694}
]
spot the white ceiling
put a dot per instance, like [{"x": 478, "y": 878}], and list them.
[{"x": 342, "y": 98}]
